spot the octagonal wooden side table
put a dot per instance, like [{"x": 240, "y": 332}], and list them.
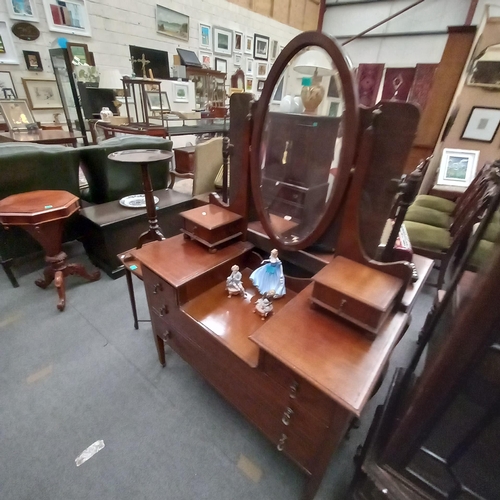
[{"x": 43, "y": 214}]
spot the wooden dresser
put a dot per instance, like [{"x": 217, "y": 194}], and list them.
[{"x": 299, "y": 376}]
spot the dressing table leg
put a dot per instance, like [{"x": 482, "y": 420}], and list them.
[{"x": 160, "y": 348}]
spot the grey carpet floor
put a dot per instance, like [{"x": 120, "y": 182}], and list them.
[{"x": 69, "y": 379}]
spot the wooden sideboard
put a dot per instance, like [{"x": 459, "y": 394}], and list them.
[{"x": 300, "y": 376}]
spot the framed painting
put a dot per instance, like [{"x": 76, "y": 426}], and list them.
[
  {"x": 220, "y": 65},
  {"x": 482, "y": 124},
  {"x": 79, "y": 54},
  {"x": 17, "y": 114},
  {"x": 261, "y": 47},
  {"x": 274, "y": 49},
  {"x": 205, "y": 41},
  {"x": 457, "y": 167},
  {"x": 249, "y": 84},
  {"x": 8, "y": 52},
  {"x": 181, "y": 92},
  {"x": 261, "y": 69},
  {"x": 249, "y": 44},
  {"x": 68, "y": 16},
  {"x": 238, "y": 42},
  {"x": 23, "y": 10},
  {"x": 42, "y": 94},
  {"x": 154, "y": 102},
  {"x": 206, "y": 59},
  {"x": 249, "y": 66},
  {"x": 7, "y": 89},
  {"x": 33, "y": 60},
  {"x": 172, "y": 23},
  {"x": 260, "y": 85},
  {"x": 223, "y": 41},
  {"x": 237, "y": 60}
]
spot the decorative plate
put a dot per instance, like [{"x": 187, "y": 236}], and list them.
[{"x": 136, "y": 201}]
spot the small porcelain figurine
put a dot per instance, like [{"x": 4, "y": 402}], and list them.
[
  {"x": 270, "y": 276},
  {"x": 264, "y": 305},
  {"x": 106, "y": 114},
  {"x": 233, "y": 283}
]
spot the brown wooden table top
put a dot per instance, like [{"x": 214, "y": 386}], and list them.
[
  {"x": 330, "y": 353},
  {"x": 178, "y": 260},
  {"x": 35, "y": 207},
  {"x": 40, "y": 136},
  {"x": 140, "y": 155}
]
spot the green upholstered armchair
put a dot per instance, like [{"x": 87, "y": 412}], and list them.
[
  {"x": 31, "y": 167},
  {"x": 109, "y": 180}
]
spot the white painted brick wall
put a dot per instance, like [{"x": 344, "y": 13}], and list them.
[{"x": 116, "y": 24}]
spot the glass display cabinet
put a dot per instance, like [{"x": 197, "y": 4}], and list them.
[
  {"x": 63, "y": 71},
  {"x": 209, "y": 87}
]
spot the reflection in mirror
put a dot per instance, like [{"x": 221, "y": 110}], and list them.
[
  {"x": 486, "y": 68},
  {"x": 301, "y": 143}
]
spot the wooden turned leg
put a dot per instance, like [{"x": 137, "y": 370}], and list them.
[
  {"x": 79, "y": 270},
  {"x": 48, "y": 277},
  {"x": 61, "y": 290}
]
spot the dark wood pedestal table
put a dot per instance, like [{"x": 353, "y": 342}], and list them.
[
  {"x": 144, "y": 157},
  {"x": 42, "y": 214}
]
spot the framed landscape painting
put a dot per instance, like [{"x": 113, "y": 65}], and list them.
[
  {"x": 172, "y": 23},
  {"x": 457, "y": 167},
  {"x": 23, "y": 10},
  {"x": 42, "y": 94},
  {"x": 70, "y": 16},
  {"x": 223, "y": 41}
]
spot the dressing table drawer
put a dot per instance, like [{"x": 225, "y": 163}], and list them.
[
  {"x": 299, "y": 391},
  {"x": 162, "y": 298}
]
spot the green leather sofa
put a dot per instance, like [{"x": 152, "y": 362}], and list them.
[{"x": 110, "y": 180}]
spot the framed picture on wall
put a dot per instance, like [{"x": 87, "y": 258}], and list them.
[
  {"x": 23, "y": 10},
  {"x": 33, "y": 60},
  {"x": 249, "y": 66},
  {"x": 206, "y": 59},
  {"x": 238, "y": 42},
  {"x": 249, "y": 44},
  {"x": 79, "y": 54},
  {"x": 482, "y": 124},
  {"x": 154, "y": 102},
  {"x": 249, "y": 84},
  {"x": 205, "y": 36},
  {"x": 261, "y": 47},
  {"x": 42, "y": 94},
  {"x": 223, "y": 41},
  {"x": 220, "y": 65},
  {"x": 70, "y": 16},
  {"x": 274, "y": 49},
  {"x": 261, "y": 69},
  {"x": 172, "y": 23},
  {"x": 457, "y": 167},
  {"x": 7, "y": 89},
  {"x": 17, "y": 114},
  {"x": 8, "y": 52},
  {"x": 181, "y": 92},
  {"x": 260, "y": 85}
]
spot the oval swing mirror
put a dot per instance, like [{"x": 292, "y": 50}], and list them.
[{"x": 303, "y": 140}]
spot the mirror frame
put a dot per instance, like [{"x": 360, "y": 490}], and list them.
[{"x": 349, "y": 137}]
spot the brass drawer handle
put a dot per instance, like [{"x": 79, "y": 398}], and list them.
[
  {"x": 287, "y": 416},
  {"x": 163, "y": 311},
  {"x": 281, "y": 443},
  {"x": 167, "y": 334},
  {"x": 293, "y": 390},
  {"x": 157, "y": 288}
]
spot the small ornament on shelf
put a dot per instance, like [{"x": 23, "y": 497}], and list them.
[
  {"x": 264, "y": 305},
  {"x": 269, "y": 276},
  {"x": 234, "y": 286}
]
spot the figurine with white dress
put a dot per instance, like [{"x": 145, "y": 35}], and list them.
[
  {"x": 269, "y": 276},
  {"x": 234, "y": 286},
  {"x": 264, "y": 305}
]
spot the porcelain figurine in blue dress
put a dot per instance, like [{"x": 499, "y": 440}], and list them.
[{"x": 270, "y": 276}]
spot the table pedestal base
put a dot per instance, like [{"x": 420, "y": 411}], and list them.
[{"x": 57, "y": 270}]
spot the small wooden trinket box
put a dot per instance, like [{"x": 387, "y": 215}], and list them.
[
  {"x": 358, "y": 293},
  {"x": 211, "y": 225}
]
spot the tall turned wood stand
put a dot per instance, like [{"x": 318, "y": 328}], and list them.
[
  {"x": 144, "y": 157},
  {"x": 42, "y": 214}
]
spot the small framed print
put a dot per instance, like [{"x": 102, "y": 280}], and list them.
[
  {"x": 261, "y": 47},
  {"x": 24, "y": 10},
  {"x": 260, "y": 85},
  {"x": 223, "y": 41},
  {"x": 261, "y": 69},
  {"x": 274, "y": 49},
  {"x": 249, "y": 44},
  {"x": 237, "y": 60},
  {"x": 79, "y": 54},
  {"x": 220, "y": 65},
  {"x": 249, "y": 85},
  {"x": 457, "y": 167},
  {"x": 7, "y": 89},
  {"x": 158, "y": 101},
  {"x": 482, "y": 124},
  {"x": 42, "y": 94},
  {"x": 205, "y": 41},
  {"x": 17, "y": 114},
  {"x": 249, "y": 66},
  {"x": 238, "y": 42},
  {"x": 181, "y": 92},
  {"x": 206, "y": 59},
  {"x": 33, "y": 61}
]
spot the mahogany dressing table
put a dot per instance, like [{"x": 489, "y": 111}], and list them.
[{"x": 302, "y": 375}]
